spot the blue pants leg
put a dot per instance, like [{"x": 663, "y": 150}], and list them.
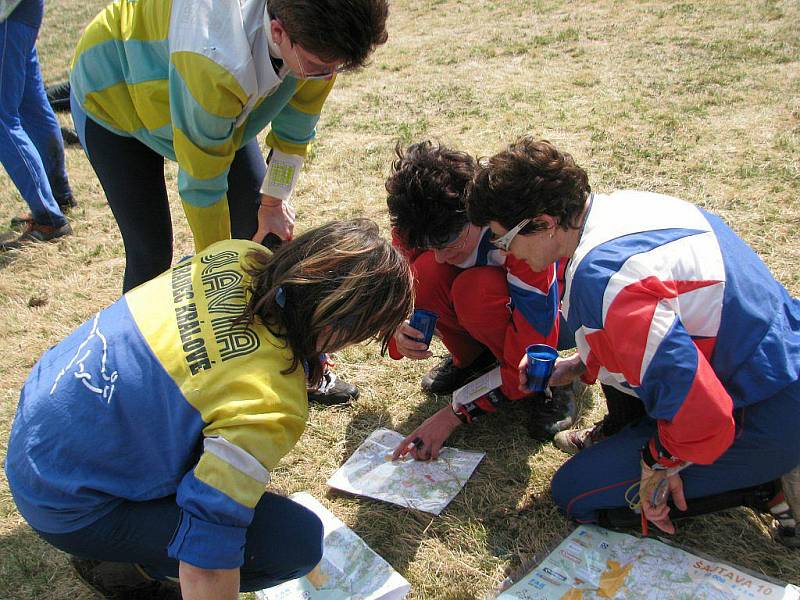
[
  {"x": 766, "y": 446},
  {"x": 18, "y": 152},
  {"x": 41, "y": 124},
  {"x": 283, "y": 542}
]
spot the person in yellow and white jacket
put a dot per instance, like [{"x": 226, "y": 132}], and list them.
[
  {"x": 146, "y": 437},
  {"x": 195, "y": 81}
]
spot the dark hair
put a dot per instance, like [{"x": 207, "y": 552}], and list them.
[
  {"x": 334, "y": 30},
  {"x": 341, "y": 275},
  {"x": 426, "y": 193},
  {"x": 528, "y": 179}
]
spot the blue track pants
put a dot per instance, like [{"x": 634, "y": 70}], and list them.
[
  {"x": 766, "y": 446},
  {"x": 31, "y": 146}
]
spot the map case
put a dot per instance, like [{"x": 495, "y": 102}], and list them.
[{"x": 594, "y": 563}]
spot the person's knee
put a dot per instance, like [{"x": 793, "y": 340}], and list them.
[
  {"x": 475, "y": 291},
  {"x": 432, "y": 281},
  {"x": 308, "y": 545},
  {"x": 269, "y": 561},
  {"x": 562, "y": 487}
]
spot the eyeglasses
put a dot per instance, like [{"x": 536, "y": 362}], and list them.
[
  {"x": 322, "y": 75},
  {"x": 504, "y": 241},
  {"x": 326, "y": 73},
  {"x": 453, "y": 242}
]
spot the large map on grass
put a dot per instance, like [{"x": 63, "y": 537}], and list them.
[
  {"x": 594, "y": 563},
  {"x": 428, "y": 486},
  {"x": 349, "y": 569}
]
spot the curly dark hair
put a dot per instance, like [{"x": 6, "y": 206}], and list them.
[
  {"x": 527, "y": 179},
  {"x": 334, "y": 30},
  {"x": 426, "y": 193},
  {"x": 342, "y": 276}
]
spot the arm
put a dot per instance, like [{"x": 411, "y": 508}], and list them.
[
  {"x": 644, "y": 339},
  {"x": 402, "y": 343},
  {"x": 534, "y": 296},
  {"x": 253, "y": 421},
  {"x": 205, "y": 101},
  {"x": 291, "y": 132},
  {"x": 208, "y": 584}
]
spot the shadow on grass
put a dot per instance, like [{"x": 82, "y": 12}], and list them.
[
  {"x": 391, "y": 531},
  {"x": 494, "y": 509},
  {"x": 31, "y": 569}
]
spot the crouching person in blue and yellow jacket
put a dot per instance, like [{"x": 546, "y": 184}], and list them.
[{"x": 147, "y": 436}]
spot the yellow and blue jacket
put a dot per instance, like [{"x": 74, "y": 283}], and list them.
[
  {"x": 165, "y": 392},
  {"x": 193, "y": 80}
]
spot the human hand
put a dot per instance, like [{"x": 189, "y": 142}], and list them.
[
  {"x": 564, "y": 372},
  {"x": 655, "y": 488},
  {"x": 406, "y": 338},
  {"x": 274, "y": 216},
  {"x": 426, "y": 440}
]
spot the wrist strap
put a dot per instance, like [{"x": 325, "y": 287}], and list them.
[
  {"x": 656, "y": 457},
  {"x": 282, "y": 172},
  {"x": 470, "y": 411}
]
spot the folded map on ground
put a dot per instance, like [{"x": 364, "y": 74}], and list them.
[
  {"x": 428, "y": 486},
  {"x": 594, "y": 563},
  {"x": 349, "y": 570}
]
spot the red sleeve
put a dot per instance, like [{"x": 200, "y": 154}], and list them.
[{"x": 644, "y": 340}]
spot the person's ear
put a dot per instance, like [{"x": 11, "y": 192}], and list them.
[
  {"x": 546, "y": 222},
  {"x": 277, "y": 31}
]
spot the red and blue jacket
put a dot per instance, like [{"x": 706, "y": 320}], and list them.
[{"x": 670, "y": 306}]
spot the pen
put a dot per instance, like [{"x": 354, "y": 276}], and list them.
[{"x": 415, "y": 443}]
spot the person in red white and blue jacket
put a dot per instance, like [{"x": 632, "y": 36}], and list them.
[{"x": 669, "y": 307}]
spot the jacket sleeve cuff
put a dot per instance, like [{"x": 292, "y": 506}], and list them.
[{"x": 207, "y": 545}]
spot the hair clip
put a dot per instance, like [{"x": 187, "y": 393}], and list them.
[{"x": 280, "y": 297}]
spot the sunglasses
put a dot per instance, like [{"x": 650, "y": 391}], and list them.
[{"x": 504, "y": 241}]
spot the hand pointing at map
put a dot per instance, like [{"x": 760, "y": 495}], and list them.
[{"x": 427, "y": 439}]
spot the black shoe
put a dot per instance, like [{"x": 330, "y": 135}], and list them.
[
  {"x": 551, "y": 415},
  {"x": 58, "y": 96},
  {"x": 70, "y": 136},
  {"x": 332, "y": 390},
  {"x": 122, "y": 581},
  {"x": 445, "y": 378}
]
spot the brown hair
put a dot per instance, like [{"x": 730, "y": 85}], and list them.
[
  {"x": 341, "y": 276},
  {"x": 334, "y": 30},
  {"x": 426, "y": 193},
  {"x": 528, "y": 179}
]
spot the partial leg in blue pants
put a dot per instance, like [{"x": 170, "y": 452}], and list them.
[
  {"x": 765, "y": 447},
  {"x": 18, "y": 151},
  {"x": 284, "y": 540},
  {"x": 41, "y": 124}
]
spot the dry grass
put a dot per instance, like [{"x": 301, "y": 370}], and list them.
[{"x": 697, "y": 99}]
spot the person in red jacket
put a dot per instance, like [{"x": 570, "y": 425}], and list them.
[{"x": 490, "y": 305}]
